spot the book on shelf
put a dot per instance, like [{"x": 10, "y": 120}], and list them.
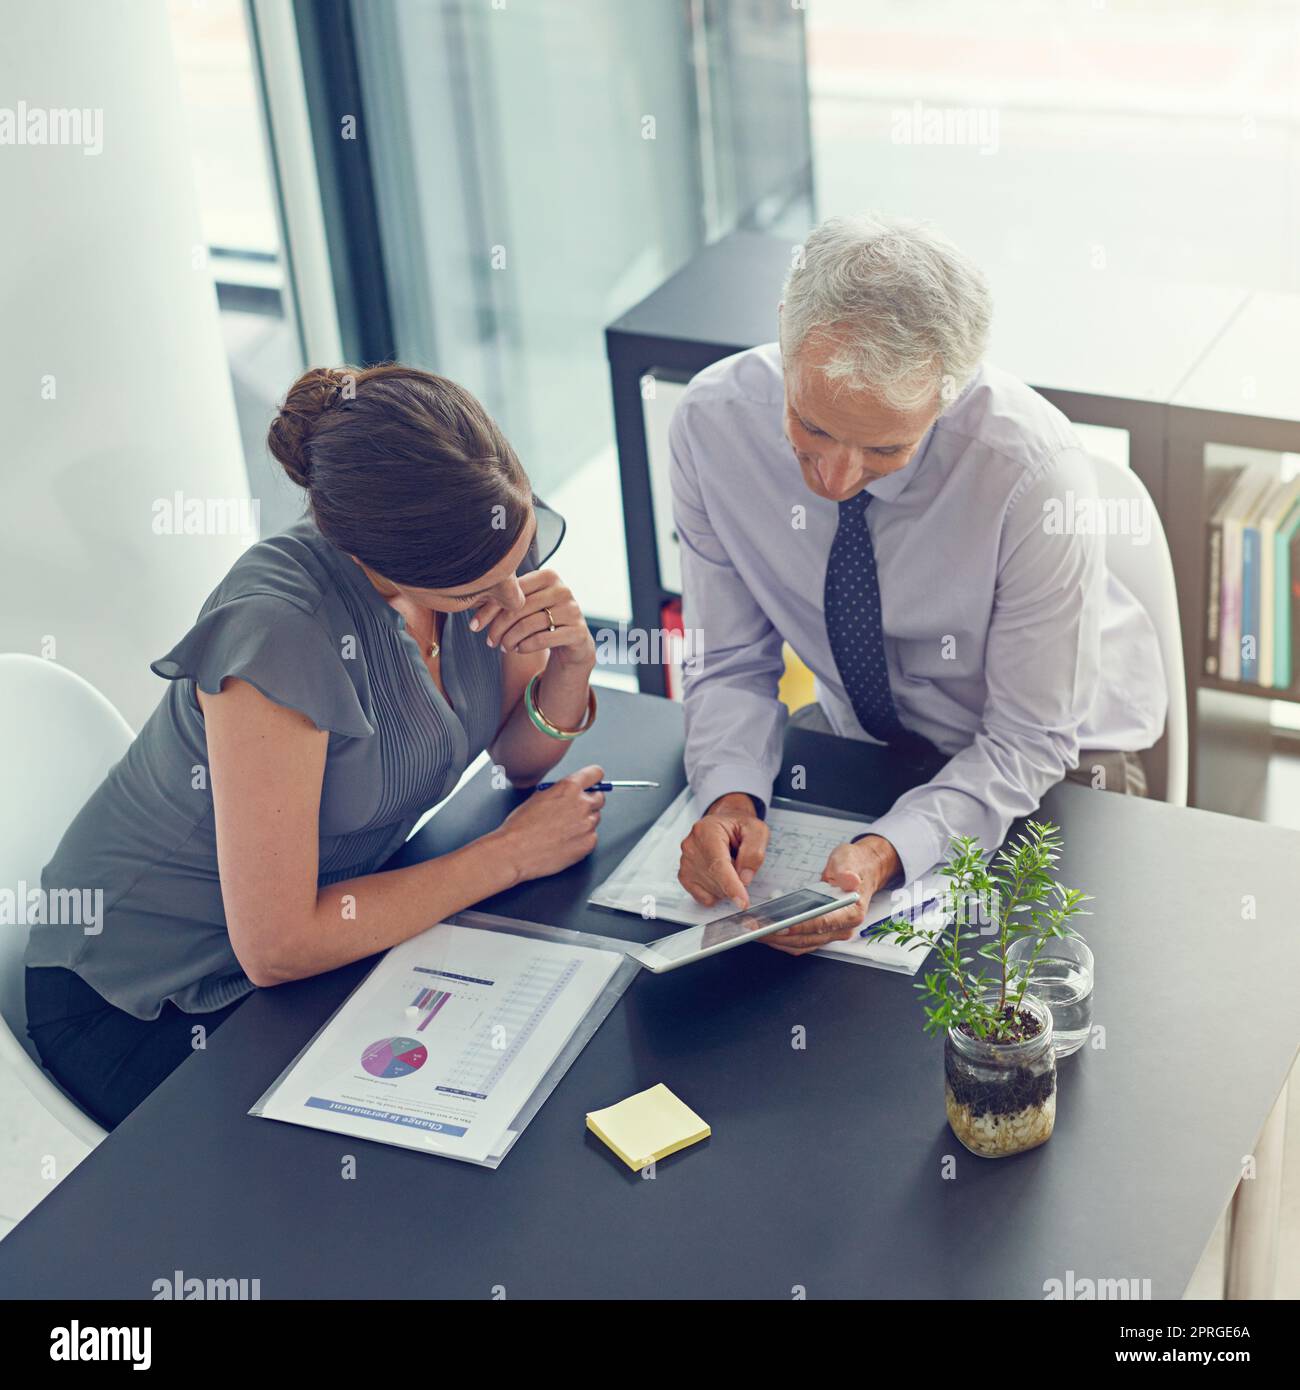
[
  {"x": 1256, "y": 572},
  {"x": 1239, "y": 504},
  {"x": 1286, "y": 585},
  {"x": 1252, "y": 575},
  {"x": 1272, "y": 615},
  {"x": 1221, "y": 485}
]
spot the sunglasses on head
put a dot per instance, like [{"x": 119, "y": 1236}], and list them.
[{"x": 546, "y": 539}]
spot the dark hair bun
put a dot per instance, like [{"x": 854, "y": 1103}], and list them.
[
  {"x": 290, "y": 435},
  {"x": 405, "y": 471}
]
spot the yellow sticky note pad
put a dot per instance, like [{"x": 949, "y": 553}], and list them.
[{"x": 648, "y": 1126}]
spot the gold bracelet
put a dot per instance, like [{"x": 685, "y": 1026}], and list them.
[{"x": 540, "y": 720}]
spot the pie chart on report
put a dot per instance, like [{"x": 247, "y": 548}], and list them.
[{"x": 391, "y": 1057}]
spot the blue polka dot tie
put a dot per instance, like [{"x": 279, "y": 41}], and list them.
[{"x": 852, "y": 608}]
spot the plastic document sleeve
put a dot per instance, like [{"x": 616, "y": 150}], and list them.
[{"x": 456, "y": 1038}]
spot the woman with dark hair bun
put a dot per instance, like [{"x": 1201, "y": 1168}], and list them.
[{"x": 337, "y": 684}]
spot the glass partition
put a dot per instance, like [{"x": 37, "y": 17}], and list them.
[{"x": 543, "y": 165}]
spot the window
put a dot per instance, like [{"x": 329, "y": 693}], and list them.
[
  {"x": 1140, "y": 136},
  {"x": 238, "y": 206}
]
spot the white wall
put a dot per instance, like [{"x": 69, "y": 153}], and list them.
[{"x": 106, "y": 300}]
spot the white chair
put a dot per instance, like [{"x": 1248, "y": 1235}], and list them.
[
  {"x": 58, "y": 738},
  {"x": 1147, "y": 572}
]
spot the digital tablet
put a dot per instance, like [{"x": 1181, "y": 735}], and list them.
[{"x": 762, "y": 919}]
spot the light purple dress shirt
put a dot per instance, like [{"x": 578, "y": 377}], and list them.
[{"x": 1010, "y": 646}]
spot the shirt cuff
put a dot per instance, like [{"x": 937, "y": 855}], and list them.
[
  {"x": 914, "y": 839},
  {"x": 739, "y": 777}
]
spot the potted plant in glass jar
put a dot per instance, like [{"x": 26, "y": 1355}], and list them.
[{"x": 999, "y": 1059}]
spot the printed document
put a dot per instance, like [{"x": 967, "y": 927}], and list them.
[{"x": 444, "y": 1041}]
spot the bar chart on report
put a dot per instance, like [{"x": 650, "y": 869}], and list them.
[{"x": 503, "y": 1028}]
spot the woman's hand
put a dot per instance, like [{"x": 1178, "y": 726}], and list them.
[
  {"x": 554, "y": 828},
  {"x": 528, "y": 629},
  {"x": 544, "y": 637}
]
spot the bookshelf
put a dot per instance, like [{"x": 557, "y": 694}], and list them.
[{"x": 1242, "y": 394}]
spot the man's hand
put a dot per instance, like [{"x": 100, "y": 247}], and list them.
[
  {"x": 862, "y": 868},
  {"x": 724, "y": 851}
]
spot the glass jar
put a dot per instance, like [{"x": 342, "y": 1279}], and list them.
[
  {"x": 1062, "y": 977},
  {"x": 1001, "y": 1096}
]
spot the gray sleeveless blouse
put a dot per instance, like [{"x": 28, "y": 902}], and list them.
[{"x": 302, "y": 623}]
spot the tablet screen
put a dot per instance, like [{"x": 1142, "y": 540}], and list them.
[{"x": 759, "y": 919}]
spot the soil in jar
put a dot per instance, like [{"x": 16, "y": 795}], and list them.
[{"x": 999, "y": 1111}]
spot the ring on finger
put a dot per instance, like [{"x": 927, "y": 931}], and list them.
[{"x": 549, "y": 620}]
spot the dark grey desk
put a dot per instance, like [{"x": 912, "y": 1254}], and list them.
[{"x": 826, "y": 1165}]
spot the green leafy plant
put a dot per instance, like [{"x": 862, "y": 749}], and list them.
[{"x": 1014, "y": 895}]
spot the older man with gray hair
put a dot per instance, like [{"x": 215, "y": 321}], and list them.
[{"x": 875, "y": 494}]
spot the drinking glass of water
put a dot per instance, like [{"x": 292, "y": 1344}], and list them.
[{"x": 1062, "y": 978}]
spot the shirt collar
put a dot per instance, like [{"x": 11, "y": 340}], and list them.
[{"x": 889, "y": 487}]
